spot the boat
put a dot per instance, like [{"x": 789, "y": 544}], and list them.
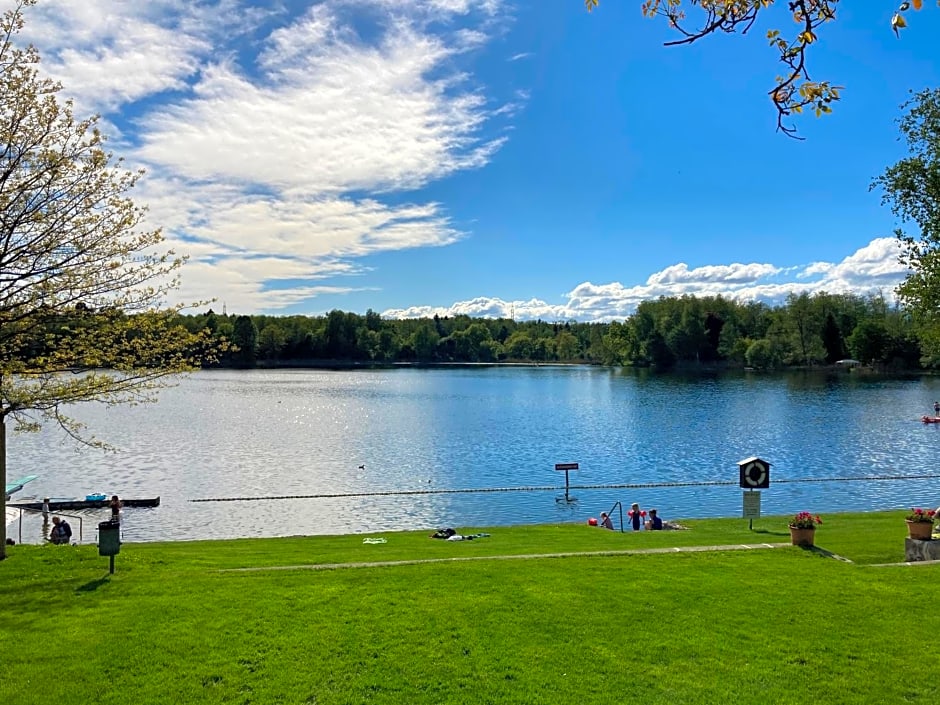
[
  {"x": 56, "y": 505},
  {"x": 930, "y": 419}
]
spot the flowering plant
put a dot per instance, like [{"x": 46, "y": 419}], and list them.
[
  {"x": 921, "y": 516},
  {"x": 805, "y": 520}
]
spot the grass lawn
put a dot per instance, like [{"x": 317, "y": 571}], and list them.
[{"x": 782, "y": 625}]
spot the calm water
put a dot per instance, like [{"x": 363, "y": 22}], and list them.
[{"x": 301, "y": 432}]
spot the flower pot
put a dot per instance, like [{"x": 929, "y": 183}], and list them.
[
  {"x": 920, "y": 530},
  {"x": 802, "y": 537}
]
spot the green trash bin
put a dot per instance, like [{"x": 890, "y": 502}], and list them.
[{"x": 109, "y": 538}]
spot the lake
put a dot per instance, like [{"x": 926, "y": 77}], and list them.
[{"x": 262, "y": 433}]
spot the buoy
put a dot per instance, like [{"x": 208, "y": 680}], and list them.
[{"x": 592, "y": 522}]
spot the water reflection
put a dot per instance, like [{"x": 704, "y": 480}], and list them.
[{"x": 300, "y": 432}]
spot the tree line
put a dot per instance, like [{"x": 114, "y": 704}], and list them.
[{"x": 806, "y": 330}]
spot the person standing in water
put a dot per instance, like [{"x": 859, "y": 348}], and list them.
[{"x": 115, "y": 505}]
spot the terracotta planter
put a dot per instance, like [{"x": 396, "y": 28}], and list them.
[
  {"x": 920, "y": 530},
  {"x": 802, "y": 537}
]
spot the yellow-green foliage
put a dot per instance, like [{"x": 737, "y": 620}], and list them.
[{"x": 83, "y": 282}]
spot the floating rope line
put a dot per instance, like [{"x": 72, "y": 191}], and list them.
[{"x": 551, "y": 488}]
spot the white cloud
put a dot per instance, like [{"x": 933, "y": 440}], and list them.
[
  {"x": 485, "y": 308},
  {"x": 725, "y": 274},
  {"x": 272, "y": 142},
  {"x": 109, "y": 53},
  {"x": 435, "y": 8},
  {"x": 874, "y": 267},
  {"x": 329, "y": 115},
  {"x": 270, "y": 138},
  {"x": 233, "y": 282}
]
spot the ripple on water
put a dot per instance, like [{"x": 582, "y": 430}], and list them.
[{"x": 306, "y": 432}]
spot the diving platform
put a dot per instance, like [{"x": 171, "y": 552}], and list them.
[{"x": 17, "y": 485}]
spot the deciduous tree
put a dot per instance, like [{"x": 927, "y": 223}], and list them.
[
  {"x": 912, "y": 189},
  {"x": 794, "y": 90},
  {"x": 82, "y": 283}
]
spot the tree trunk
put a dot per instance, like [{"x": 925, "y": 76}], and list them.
[{"x": 3, "y": 481}]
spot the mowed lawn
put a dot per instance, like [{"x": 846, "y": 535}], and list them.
[{"x": 175, "y": 624}]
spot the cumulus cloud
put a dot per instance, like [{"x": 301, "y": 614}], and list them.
[
  {"x": 484, "y": 308},
  {"x": 726, "y": 274},
  {"x": 874, "y": 267}
]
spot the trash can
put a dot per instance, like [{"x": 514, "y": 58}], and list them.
[{"x": 109, "y": 538}]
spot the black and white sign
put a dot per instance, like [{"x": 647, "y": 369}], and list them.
[{"x": 755, "y": 474}]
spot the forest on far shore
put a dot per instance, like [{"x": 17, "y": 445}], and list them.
[{"x": 667, "y": 332}]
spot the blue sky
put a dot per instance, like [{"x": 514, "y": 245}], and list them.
[{"x": 488, "y": 157}]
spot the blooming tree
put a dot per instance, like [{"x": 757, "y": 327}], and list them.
[{"x": 82, "y": 284}]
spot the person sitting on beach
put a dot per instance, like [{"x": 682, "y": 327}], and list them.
[
  {"x": 61, "y": 531},
  {"x": 606, "y": 522},
  {"x": 654, "y": 523}
]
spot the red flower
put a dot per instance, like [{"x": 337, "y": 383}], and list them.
[
  {"x": 921, "y": 515},
  {"x": 805, "y": 520}
]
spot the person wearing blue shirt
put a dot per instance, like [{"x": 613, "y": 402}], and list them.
[
  {"x": 61, "y": 531},
  {"x": 654, "y": 523}
]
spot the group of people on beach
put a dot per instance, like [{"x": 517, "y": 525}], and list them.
[{"x": 638, "y": 519}]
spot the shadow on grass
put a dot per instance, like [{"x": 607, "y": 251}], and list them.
[
  {"x": 771, "y": 533},
  {"x": 93, "y": 585}
]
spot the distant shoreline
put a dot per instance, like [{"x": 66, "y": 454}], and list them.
[{"x": 693, "y": 368}]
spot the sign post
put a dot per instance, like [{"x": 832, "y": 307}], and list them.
[
  {"x": 754, "y": 474},
  {"x": 751, "y": 507},
  {"x": 566, "y": 467}
]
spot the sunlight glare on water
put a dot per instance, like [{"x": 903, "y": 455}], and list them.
[{"x": 244, "y": 434}]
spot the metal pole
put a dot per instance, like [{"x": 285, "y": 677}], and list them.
[
  {"x": 566, "y": 487},
  {"x": 111, "y": 570}
]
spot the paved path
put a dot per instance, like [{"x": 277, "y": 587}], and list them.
[{"x": 521, "y": 556}]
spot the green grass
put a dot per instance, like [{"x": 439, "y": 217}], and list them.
[{"x": 785, "y": 625}]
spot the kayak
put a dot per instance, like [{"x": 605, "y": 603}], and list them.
[{"x": 930, "y": 419}]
